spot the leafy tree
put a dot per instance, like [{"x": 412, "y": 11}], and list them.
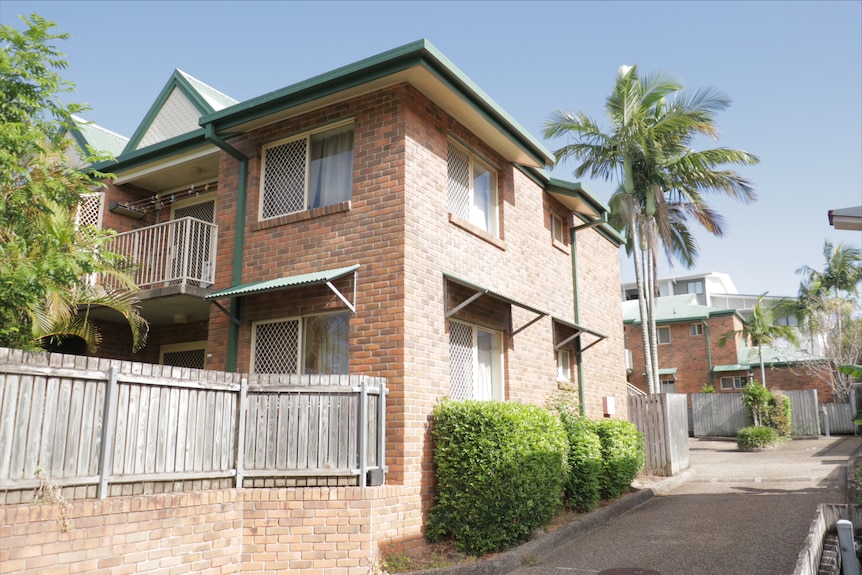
[
  {"x": 662, "y": 180},
  {"x": 829, "y": 302},
  {"x": 759, "y": 330},
  {"x": 47, "y": 262}
]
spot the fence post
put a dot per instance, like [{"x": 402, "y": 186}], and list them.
[
  {"x": 362, "y": 438},
  {"x": 109, "y": 419},
  {"x": 240, "y": 432}
]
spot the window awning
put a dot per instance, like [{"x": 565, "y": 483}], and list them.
[
  {"x": 480, "y": 291},
  {"x": 731, "y": 367},
  {"x": 287, "y": 282},
  {"x": 578, "y": 330}
]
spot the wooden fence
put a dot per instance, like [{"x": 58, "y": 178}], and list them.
[
  {"x": 97, "y": 426},
  {"x": 663, "y": 419},
  {"x": 723, "y": 414}
]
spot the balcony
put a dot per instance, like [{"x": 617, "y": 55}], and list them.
[{"x": 174, "y": 265}]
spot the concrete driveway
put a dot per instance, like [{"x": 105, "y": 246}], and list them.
[{"x": 731, "y": 513}]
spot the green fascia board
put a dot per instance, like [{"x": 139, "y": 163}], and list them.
[
  {"x": 419, "y": 53},
  {"x": 156, "y": 152},
  {"x": 575, "y": 190},
  {"x": 283, "y": 282},
  {"x": 177, "y": 80}
]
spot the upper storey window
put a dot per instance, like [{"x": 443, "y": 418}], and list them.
[
  {"x": 473, "y": 190},
  {"x": 307, "y": 172}
]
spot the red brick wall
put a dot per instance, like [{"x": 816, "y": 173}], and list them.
[
  {"x": 397, "y": 227},
  {"x": 336, "y": 531}
]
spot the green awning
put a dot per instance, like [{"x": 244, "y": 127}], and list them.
[
  {"x": 325, "y": 276},
  {"x": 577, "y": 330},
  {"x": 483, "y": 291},
  {"x": 664, "y": 371},
  {"x": 731, "y": 367}
]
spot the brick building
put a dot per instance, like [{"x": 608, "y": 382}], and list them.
[
  {"x": 690, "y": 357},
  {"x": 386, "y": 218}
]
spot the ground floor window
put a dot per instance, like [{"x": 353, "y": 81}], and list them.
[
  {"x": 476, "y": 362},
  {"x": 315, "y": 344},
  {"x": 564, "y": 366},
  {"x": 191, "y": 354},
  {"x": 735, "y": 382},
  {"x": 668, "y": 386}
]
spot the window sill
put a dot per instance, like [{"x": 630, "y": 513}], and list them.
[
  {"x": 302, "y": 216},
  {"x": 562, "y": 247},
  {"x": 476, "y": 231}
]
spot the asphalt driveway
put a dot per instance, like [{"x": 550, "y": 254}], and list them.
[{"x": 731, "y": 513}]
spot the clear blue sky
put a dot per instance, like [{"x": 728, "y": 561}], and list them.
[{"x": 792, "y": 69}]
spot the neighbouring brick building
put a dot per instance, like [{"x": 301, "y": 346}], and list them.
[
  {"x": 691, "y": 358},
  {"x": 386, "y": 219}
]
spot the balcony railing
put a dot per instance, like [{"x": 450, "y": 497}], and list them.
[{"x": 182, "y": 251}]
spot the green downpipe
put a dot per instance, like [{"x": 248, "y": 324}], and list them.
[
  {"x": 576, "y": 311},
  {"x": 708, "y": 354},
  {"x": 239, "y": 242}
]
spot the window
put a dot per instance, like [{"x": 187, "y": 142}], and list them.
[
  {"x": 663, "y": 334},
  {"x": 668, "y": 386},
  {"x": 307, "y": 345},
  {"x": 308, "y": 172},
  {"x": 694, "y": 287},
  {"x": 476, "y": 362},
  {"x": 736, "y": 382},
  {"x": 557, "y": 229},
  {"x": 472, "y": 189},
  {"x": 564, "y": 366},
  {"x": 696, "y": 329},
  {"x": 192, "y": 354}
]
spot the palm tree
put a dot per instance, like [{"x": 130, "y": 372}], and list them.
[
  {"x": 654, "y": 123},
  {"x": 760, "y": 329}
]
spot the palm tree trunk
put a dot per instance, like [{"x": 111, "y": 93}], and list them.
[
  {"x": 652, "y": 241},
  {"x": 637, "y": 249},
  {"x": 762, "y": 368}
]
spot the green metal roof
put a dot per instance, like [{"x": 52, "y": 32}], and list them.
[
  {"x": 731, "y": 367},
  {"x": 215, "y": 99},
  {"x": 98, "y": 138},
  {"x": 284, "y": 283},
  {"x": 674, "y": 308},
  {"x": 419, "y": 54}
]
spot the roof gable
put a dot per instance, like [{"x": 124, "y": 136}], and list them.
[{"x": 177, "y": 110}]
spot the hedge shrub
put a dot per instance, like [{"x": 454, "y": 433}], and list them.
[
  {"x": 500, "y": 473},
  {"x": 622, "y": 456},
  {"x": 582, "y": 488},
  {"x": 756, "y": 437},
  {"x": 778, "y": 414}
]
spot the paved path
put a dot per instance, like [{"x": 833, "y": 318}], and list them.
[{"x": 735, "y": 514}]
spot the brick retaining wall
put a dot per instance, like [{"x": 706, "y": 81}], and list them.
[{"x": 334, "y": 530}]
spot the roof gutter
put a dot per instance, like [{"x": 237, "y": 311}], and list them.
[{"x": 239, "y": 240}]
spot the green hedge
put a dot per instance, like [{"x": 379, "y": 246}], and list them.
[
  {"x": 756, "y": 437},
  {"x": 500, "y": 473},
  {"x": 582, "y": 489},
  {"x": 778, "y": 414},
  {"x": 622, "y": 456}
]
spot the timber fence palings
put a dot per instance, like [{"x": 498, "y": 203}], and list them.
[
  {"x": 663, "y": 419},
  {"x": 97, "y": 426}
]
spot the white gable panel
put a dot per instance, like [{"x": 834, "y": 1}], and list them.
[{"x": 177, "y": 116}]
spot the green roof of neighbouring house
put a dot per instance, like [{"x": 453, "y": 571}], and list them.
[
  {"x": 774, "y": 355},
  {"x": 670, "y": 309},
  {"x": 87, "y": 134}
]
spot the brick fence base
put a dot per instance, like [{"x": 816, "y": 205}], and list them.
[{"x": 332, "y": 530}]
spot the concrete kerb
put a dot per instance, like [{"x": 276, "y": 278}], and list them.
[{"x": 532, "y": 550}]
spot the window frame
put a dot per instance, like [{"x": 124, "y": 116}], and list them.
[
  {"x": 493, "y": 209},
  {"x": 735, "y": 380},
  {"x": 498, "y": 383},
  {"x": 301, "y": 350},
  {"x": 564, "y": 363},
  {"x": 558, "y": 219},
  {"x": 181, "y": 347},
  {"x": 668, "y": 382},
  {"x": 695, "y": 329},
  {"x": 663, "y": 329},
  {"x": 308, "y": 137}
]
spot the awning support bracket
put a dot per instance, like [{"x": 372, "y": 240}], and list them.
[
  {"x": 340, "y": 295},
  {"x": 227, "y": 312}
]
